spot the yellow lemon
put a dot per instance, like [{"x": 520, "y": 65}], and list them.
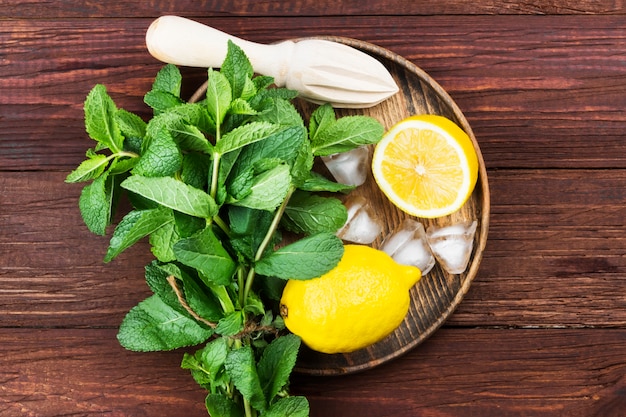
[
  {"x": 359, "y": 302},
  {"x": 426, "y": 165}
]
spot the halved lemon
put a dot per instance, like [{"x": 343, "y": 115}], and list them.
[{"x": 426, "y": 165}]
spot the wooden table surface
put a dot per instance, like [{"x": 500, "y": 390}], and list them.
[{"x": 542, "y": 331}]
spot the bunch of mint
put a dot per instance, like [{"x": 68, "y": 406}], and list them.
[{"x": 215, "y": 185}]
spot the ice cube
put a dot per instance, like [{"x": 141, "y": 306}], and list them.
[
  {"x": 452, "y": 245},
  {"x": 362, "y": 226},
  {"x": 349, "y": 167},
  {"x": 407, "y": 245}
]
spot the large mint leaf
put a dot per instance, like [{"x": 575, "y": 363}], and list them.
[
  {"x": 276, "y": 364},
  {"x": 172, "y": 193},
  {"x": 307, "y": 258},
  {"x": 283, "y": 145},
  {"x": 161, "y": 159},
  {"x": 95, "y": 205},
  {"x": 268, "y": 189},
  {"x": 218, "y": 96},
  {"x": 134, "y": 226},
  {"x": 152, "y": 325},
  {"x": 347, "y": 133},
  {"x": 245, "y": 135},
  {"x": 241, "y": 367},
  {"x": 312, "y": 214},
  {"x": 100, "y": 120},
  {"x": 237, "y": 69},
  {"x": 205, "y": 252},
  {"x": 296, "y": 406}
]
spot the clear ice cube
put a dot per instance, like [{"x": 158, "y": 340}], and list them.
[
  {"x": 452, "y": 245},
  {"x": 349, "y": 167},
  {"x": 407, "y": 245},
  {"x": 362, "y": 226}
]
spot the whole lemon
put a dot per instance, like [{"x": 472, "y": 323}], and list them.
[{"x": 357, "y": 303}]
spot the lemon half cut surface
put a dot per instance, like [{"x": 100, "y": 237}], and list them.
[{"x": 426, "y": 165}]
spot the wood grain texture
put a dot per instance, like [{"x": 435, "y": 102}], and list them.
[
  {"x": 205, "y": 8},
  {"x": 553, "y": 86},
  {"x": 458, "y": 372}
]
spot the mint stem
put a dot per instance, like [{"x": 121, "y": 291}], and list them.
[{"x": 266, "y": 240}]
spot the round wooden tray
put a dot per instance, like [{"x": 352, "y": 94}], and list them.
[
  {"x": 435, "y": 297},
  {"x": 437, "y": 294}
]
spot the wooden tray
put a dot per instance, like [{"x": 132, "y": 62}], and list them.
[{"x": 437, "y": 294}]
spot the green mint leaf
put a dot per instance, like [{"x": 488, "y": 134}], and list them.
[
  {"x": 202, "y": 302},
  {"x": 213, "y": 356},
  {"x": 218, "y": 96},
  {"x": 282, "y": 112},
  {"x": 152, "y": 325},
  {"x": 268, "y": 189},
  {"x": 237, "y": 69},
  {"x": 100, "y": 120},
  {"x": 261, "y": 82},
  {"x": 172, "y": 193},
  {"x": 240, "y": 106},
  {"x": 89, "y": 169},
  {"x": 248, "y": 229},
  {"x": 168, "y": 80},
  {"x": 295, "y": 406},
  {"x": 245, "y": 135},
  {"x": 160, "y": 101},
  {"x": 194, "y": 170},
  {"x": 347, "y": 133},
  {"x": 315, "y": 182},
  {"x": 204, "y": 252},
  {"x": 176, "y": 121},
  {"x": 194, "y": 365},
  {"x": 241, "y": 368},
  {"x": 95, "y": 205},
  {"x": 122, "y": 164},
  {"x": 134, "y": 226},
  {"x": 231, "y": 324},
  {"x": 312, "y": 214},
  {"x": 162, "y": 158},
  {"x": 131, "y": 125},
  {"x": 156, "y": 277},
  {"x": 302, "y": 164},
  {"x": 307, "y": 258},
  {"x": 285, "y": 145},
  {"x": 219, "y": 405},
  {"x": 276, "y": 364},
  {"x": 263, "y": 100},
  {"x": 321, "y": 119},
  {"x": 162, "y": 242}
]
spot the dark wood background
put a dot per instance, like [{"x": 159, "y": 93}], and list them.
[{"x": 542, "y": 331}]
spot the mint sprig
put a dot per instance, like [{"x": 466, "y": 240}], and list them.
[{"x": 215, "y": 186}]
